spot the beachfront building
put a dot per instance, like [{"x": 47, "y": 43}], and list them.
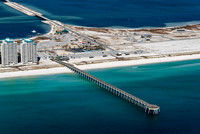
[
  {"x": 9, "y": 52},
  {"x": 28, "y": 51}
]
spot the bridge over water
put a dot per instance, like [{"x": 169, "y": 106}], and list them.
[
  {"x": 31, "y": 12},
  {"x": 149, "y": 108}
]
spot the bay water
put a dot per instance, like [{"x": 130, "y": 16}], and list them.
[
  {"x": 66, "y": 103},
  {"x": 98, "y": 13}
]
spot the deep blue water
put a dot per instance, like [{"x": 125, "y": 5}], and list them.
[
  {"x": 68, "y": 104},
  {"x": 15, "y": 24},
  {"x": 101, "y": 13}
]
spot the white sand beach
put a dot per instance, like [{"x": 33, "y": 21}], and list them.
[
  {"x": 167, "y": 43},
  {"x": 60, "y": 70}
]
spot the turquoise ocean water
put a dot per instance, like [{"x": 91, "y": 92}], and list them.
[{"x": 68, "y": 104}]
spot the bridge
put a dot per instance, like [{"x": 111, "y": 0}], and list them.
[
  {"x": 31, "y": 12},
  {"x": 148, "y": 108},
  {"x": 22, "y": 9}
]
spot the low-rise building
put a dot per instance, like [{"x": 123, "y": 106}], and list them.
[{"x": 146, "y": 36}]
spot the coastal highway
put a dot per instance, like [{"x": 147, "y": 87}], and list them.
[
  {"x": 72, "y": 31},
  {"x": 39, "y": 15}
]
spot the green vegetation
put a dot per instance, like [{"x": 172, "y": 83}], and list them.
[
  {"x": 65, "y": 31},
  {"x": 58, "y": 57}
]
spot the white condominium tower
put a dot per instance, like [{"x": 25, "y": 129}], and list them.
[
  {"x": 9, "y": 52},
  {"x": 28, "y": 51}
]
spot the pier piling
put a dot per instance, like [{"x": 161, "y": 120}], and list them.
[{"x": 148, "y": 108}]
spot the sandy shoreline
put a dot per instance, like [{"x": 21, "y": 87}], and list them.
[{"x": 60, "y": 70}]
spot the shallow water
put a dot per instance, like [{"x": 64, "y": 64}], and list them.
[{"x": 66, "y": 103}]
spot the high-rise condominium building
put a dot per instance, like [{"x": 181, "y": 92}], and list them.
[
  {"x": 9, "y": 54},
  {"x": 28, "y": 51}
]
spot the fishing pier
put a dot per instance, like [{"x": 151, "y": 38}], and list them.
[{"x": 148, "y": 108}]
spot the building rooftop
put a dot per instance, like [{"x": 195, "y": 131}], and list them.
[
  {"x": 8, "y": 40},
  {"x": 27, "y": 40}
]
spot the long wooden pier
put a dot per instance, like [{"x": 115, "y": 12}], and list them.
[{"x": 149, "y": 108}]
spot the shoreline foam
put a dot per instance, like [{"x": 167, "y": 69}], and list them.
[{"x": 60, "y": 70}]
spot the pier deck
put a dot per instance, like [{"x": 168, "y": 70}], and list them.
[{"x": 149, "y": 108}]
